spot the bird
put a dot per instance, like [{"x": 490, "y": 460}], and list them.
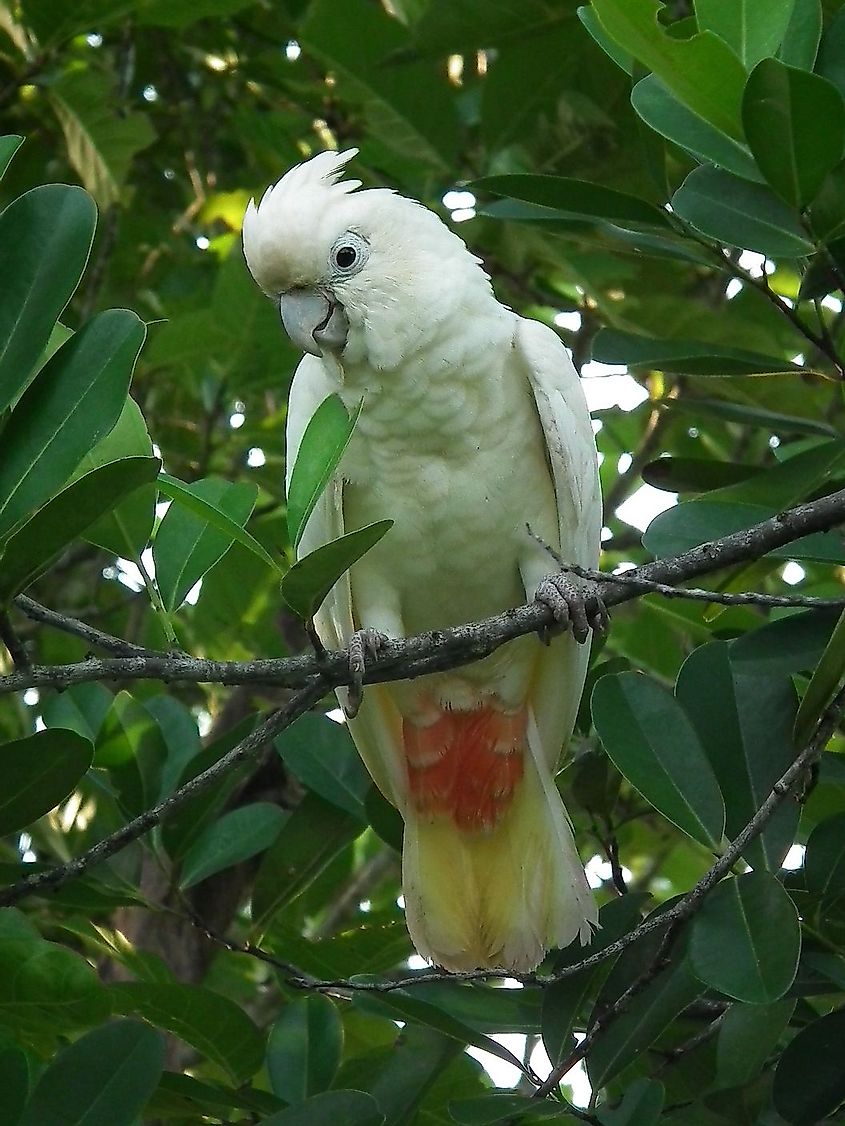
[{"x": 475, "y": 438}]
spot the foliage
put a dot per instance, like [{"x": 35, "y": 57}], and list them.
[{"x": 666, "y": 185}]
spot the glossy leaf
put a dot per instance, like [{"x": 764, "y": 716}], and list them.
[
  {"x": 748, "y": 1034},
  {"x": 663, "y": 113},
  {"x": 217, "y": 519},
  {"x": 574, "y": 198},
  {"x": 38, "y": 772},
  {"x": 702, "y": 72},
  {"x": 787, "y": 645},
  {"x": 696, "y": 357},
  {"x": 237, "y": 836},
  {"x": 588, "y": 18},
  {"x": 752, "y": 29},
  {"x": 418, "y": 1058},
  {"x": 831, "y": 60},
  {"x": 810, "y": 1080},
  {"x": 641, "y": 1105},
  {"x": 103, "y": 1079},
  {"x": 735, "y": 212},
  {"x": 9, "y": 145},
  {"x": 34, "y": 545},
  {"x": 304, "y": 1048},
  {"x": 206, "y": 1020},
  {"x": 312, "y": 837},
  {"x": 744, "y": 724},
  {"x": 74, "y": 401},
  {"x": 746, "y": 939},
  {"x": 652, "y": 743},
  {"x": 330, "y": 1108},
  {"x": 321, "y": 754},
  {"x": 694, "y": 475},
  {"x": 45, "y": 239},
  {"x": 823, "y": 684},
  {"x": 325, "y": 438},
  {"x": 795, "y": 125},
  {"x": 800, "y": 43},
  {"x": 307, "y": 583},
  {"x": 46, "y": 988},
  {"x": 824, "y": 861},
  {"x": 187, "y": 545}
]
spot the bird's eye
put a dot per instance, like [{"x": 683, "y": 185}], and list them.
[{"x": 349, "y": 254}]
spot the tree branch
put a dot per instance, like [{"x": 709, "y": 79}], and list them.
[
  {"x": 440, "y": 650},
  {"x": 38, "y": 613}
]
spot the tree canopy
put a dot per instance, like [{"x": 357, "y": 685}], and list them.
[{"x": 200, "y": 910}]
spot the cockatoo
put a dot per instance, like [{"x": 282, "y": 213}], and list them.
[{"x": 474, "y": 425}]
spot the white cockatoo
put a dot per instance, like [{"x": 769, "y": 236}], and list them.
[{"x": 474, "y": 425}]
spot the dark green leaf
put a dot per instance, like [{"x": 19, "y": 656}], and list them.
[
  {"x": 623, "y": 60},
  {"x": 795, "y": 124},
  {"x": 694, "y": 474},
  {"x": 45, "y": 238},
  {"x": 652, "y": 743},
  {"x": 331, "y": 1108},
  {"x": 800, "y": 44},
  {"x": 748, "y": 1034},
  {"x": 774, "y": 421},
  {"x": 574, "y": 198},
  {"x": 326, "y": 437},
  {"x": 696, "y": 357},
  {"x": 745, "y": 725},
  {"x": 14, "y": 1083},
  {"x": 81, "y": 708},
  {"x": 45, "y": 988},
  {"x": 9, "y": 145},
  {"x": 38, "y": 772},
  {"x": 103, "y": 1079},
  {"x": 702, "y": 72},
  {"x": 824, "y": 861},
  {"x": 673, "y": 120},
  {"x": 209, "y": 1022},
  {"x": 752, "y": 29},
  {"x": 323, "y": 757},
  {"x": 739, "y": 213},
  {"x": 74, "y": 401},
  {"x": 810, "y": 1079},
  {"x": 418, "y": 1057},
  {"x": 502, "y": 1107},
  {"x": 746, "y": 939},
  {"x": 790, "y": 644},
  {"x": 187, "y": 545},
  {"x": 831, "y": 60},
  {"x": 236, "y": 836},
  {"x": 307, "y": 583},
  {"x": 384, "y": 818},
  {"x": 33, "y": 546},
  {"x": 641, "y": 1105},
  {"x": 312, "y": 837},
  {"x": 304, "y": 1048},
  {"x": 823, "y": 684}
]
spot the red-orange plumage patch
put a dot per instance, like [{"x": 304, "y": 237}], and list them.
[{"x": 466, "y": 764}]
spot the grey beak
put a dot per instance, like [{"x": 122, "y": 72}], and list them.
[{"x": 312, "y": 321}]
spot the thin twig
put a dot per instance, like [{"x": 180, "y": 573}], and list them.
[{"x": 82, "y": 630}]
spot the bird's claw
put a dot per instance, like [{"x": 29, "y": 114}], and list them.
[
  {"x": 364, "y": 643},
  {"x": 568, "y": 599}
]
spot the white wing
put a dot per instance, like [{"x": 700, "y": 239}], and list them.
[{"x": 571, "y": 452}]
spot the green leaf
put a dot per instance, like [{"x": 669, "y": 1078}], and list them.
[
  {"x": 641, "y": 1105},
  {"x": 33, "y": 546},
  {"x": 787, "y": 645},
  {"x": 800, "y": 43},
  {"x": 209, "y": 1022},
  {"x": 774, "y": 421},
  {"x": 693, "y": 356},
  {"x": 744, "y": 724},
  {"x": 824, "y": 861},
  {"x": 694, "y": 474},
  {"x": 331, "y": 1108},
  {"x": 100, "y": 140},
  {"x": 9, "y": 145},
  {"x": 810, "y": 1079},
  {"x": 14, "y": 1083},
  {"x": 663, "y": 113},
  {"x": 73, "y": 402},
  {"x": 313, "y": 836},
  {"x": 323, "y": 443},
  {"x": 103, "y": 1079},
  {"x": 738, "y": 213},
  {"x": 80, "y": 708},
  {"x": 753, "y": 30},
  {"x": 823, "y": 684},
  {"x": 746, "y": 939},
  {"x": 46, "y": 988},
  {"x": 38, "y": 772},
  {"x": 304, "y": 1048},
  {"x": 385, "y": 819},
  {"x": 321, "y": 754},
  {"x": 418, "y": 1057},
  {"x": 574, "y": 198},
  {"x": 702, "y": 72},
  {"x": 623, "y": 60},
  {"x": 309, "y": 580},
  {"x": 748, "y": 1034},
  {"x": 831, "y": 60},
  {"x": 795, "y": 124},
  {"x": 185, "y": 495},
  {"x": 652, "y": 743},
  {"x": 187, "y": 545},
  {"x": 501, "y": 1106},
  {"x": 126, "y": 530},
  {"x": 236, "y": 836},
  {"x": 45, "y": 239}
]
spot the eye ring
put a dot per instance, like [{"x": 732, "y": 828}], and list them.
[{"x": 349, "y": 254}]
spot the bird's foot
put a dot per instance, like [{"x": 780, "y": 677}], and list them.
[
  {"x": 575, "y": 603},
  {"x": 363, "y": 644}
]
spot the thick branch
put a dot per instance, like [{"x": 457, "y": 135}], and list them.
[{"x": 439, "y": 650}]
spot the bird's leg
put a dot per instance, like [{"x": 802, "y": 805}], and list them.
[
  {"x": 363, "y": 644},
  {"x": 575, "y": 603}
]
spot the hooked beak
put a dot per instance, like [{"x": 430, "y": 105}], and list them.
[{"x": 313, "y": 322}]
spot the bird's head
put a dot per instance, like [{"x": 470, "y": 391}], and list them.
[{"x": 366, "y": 275}]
